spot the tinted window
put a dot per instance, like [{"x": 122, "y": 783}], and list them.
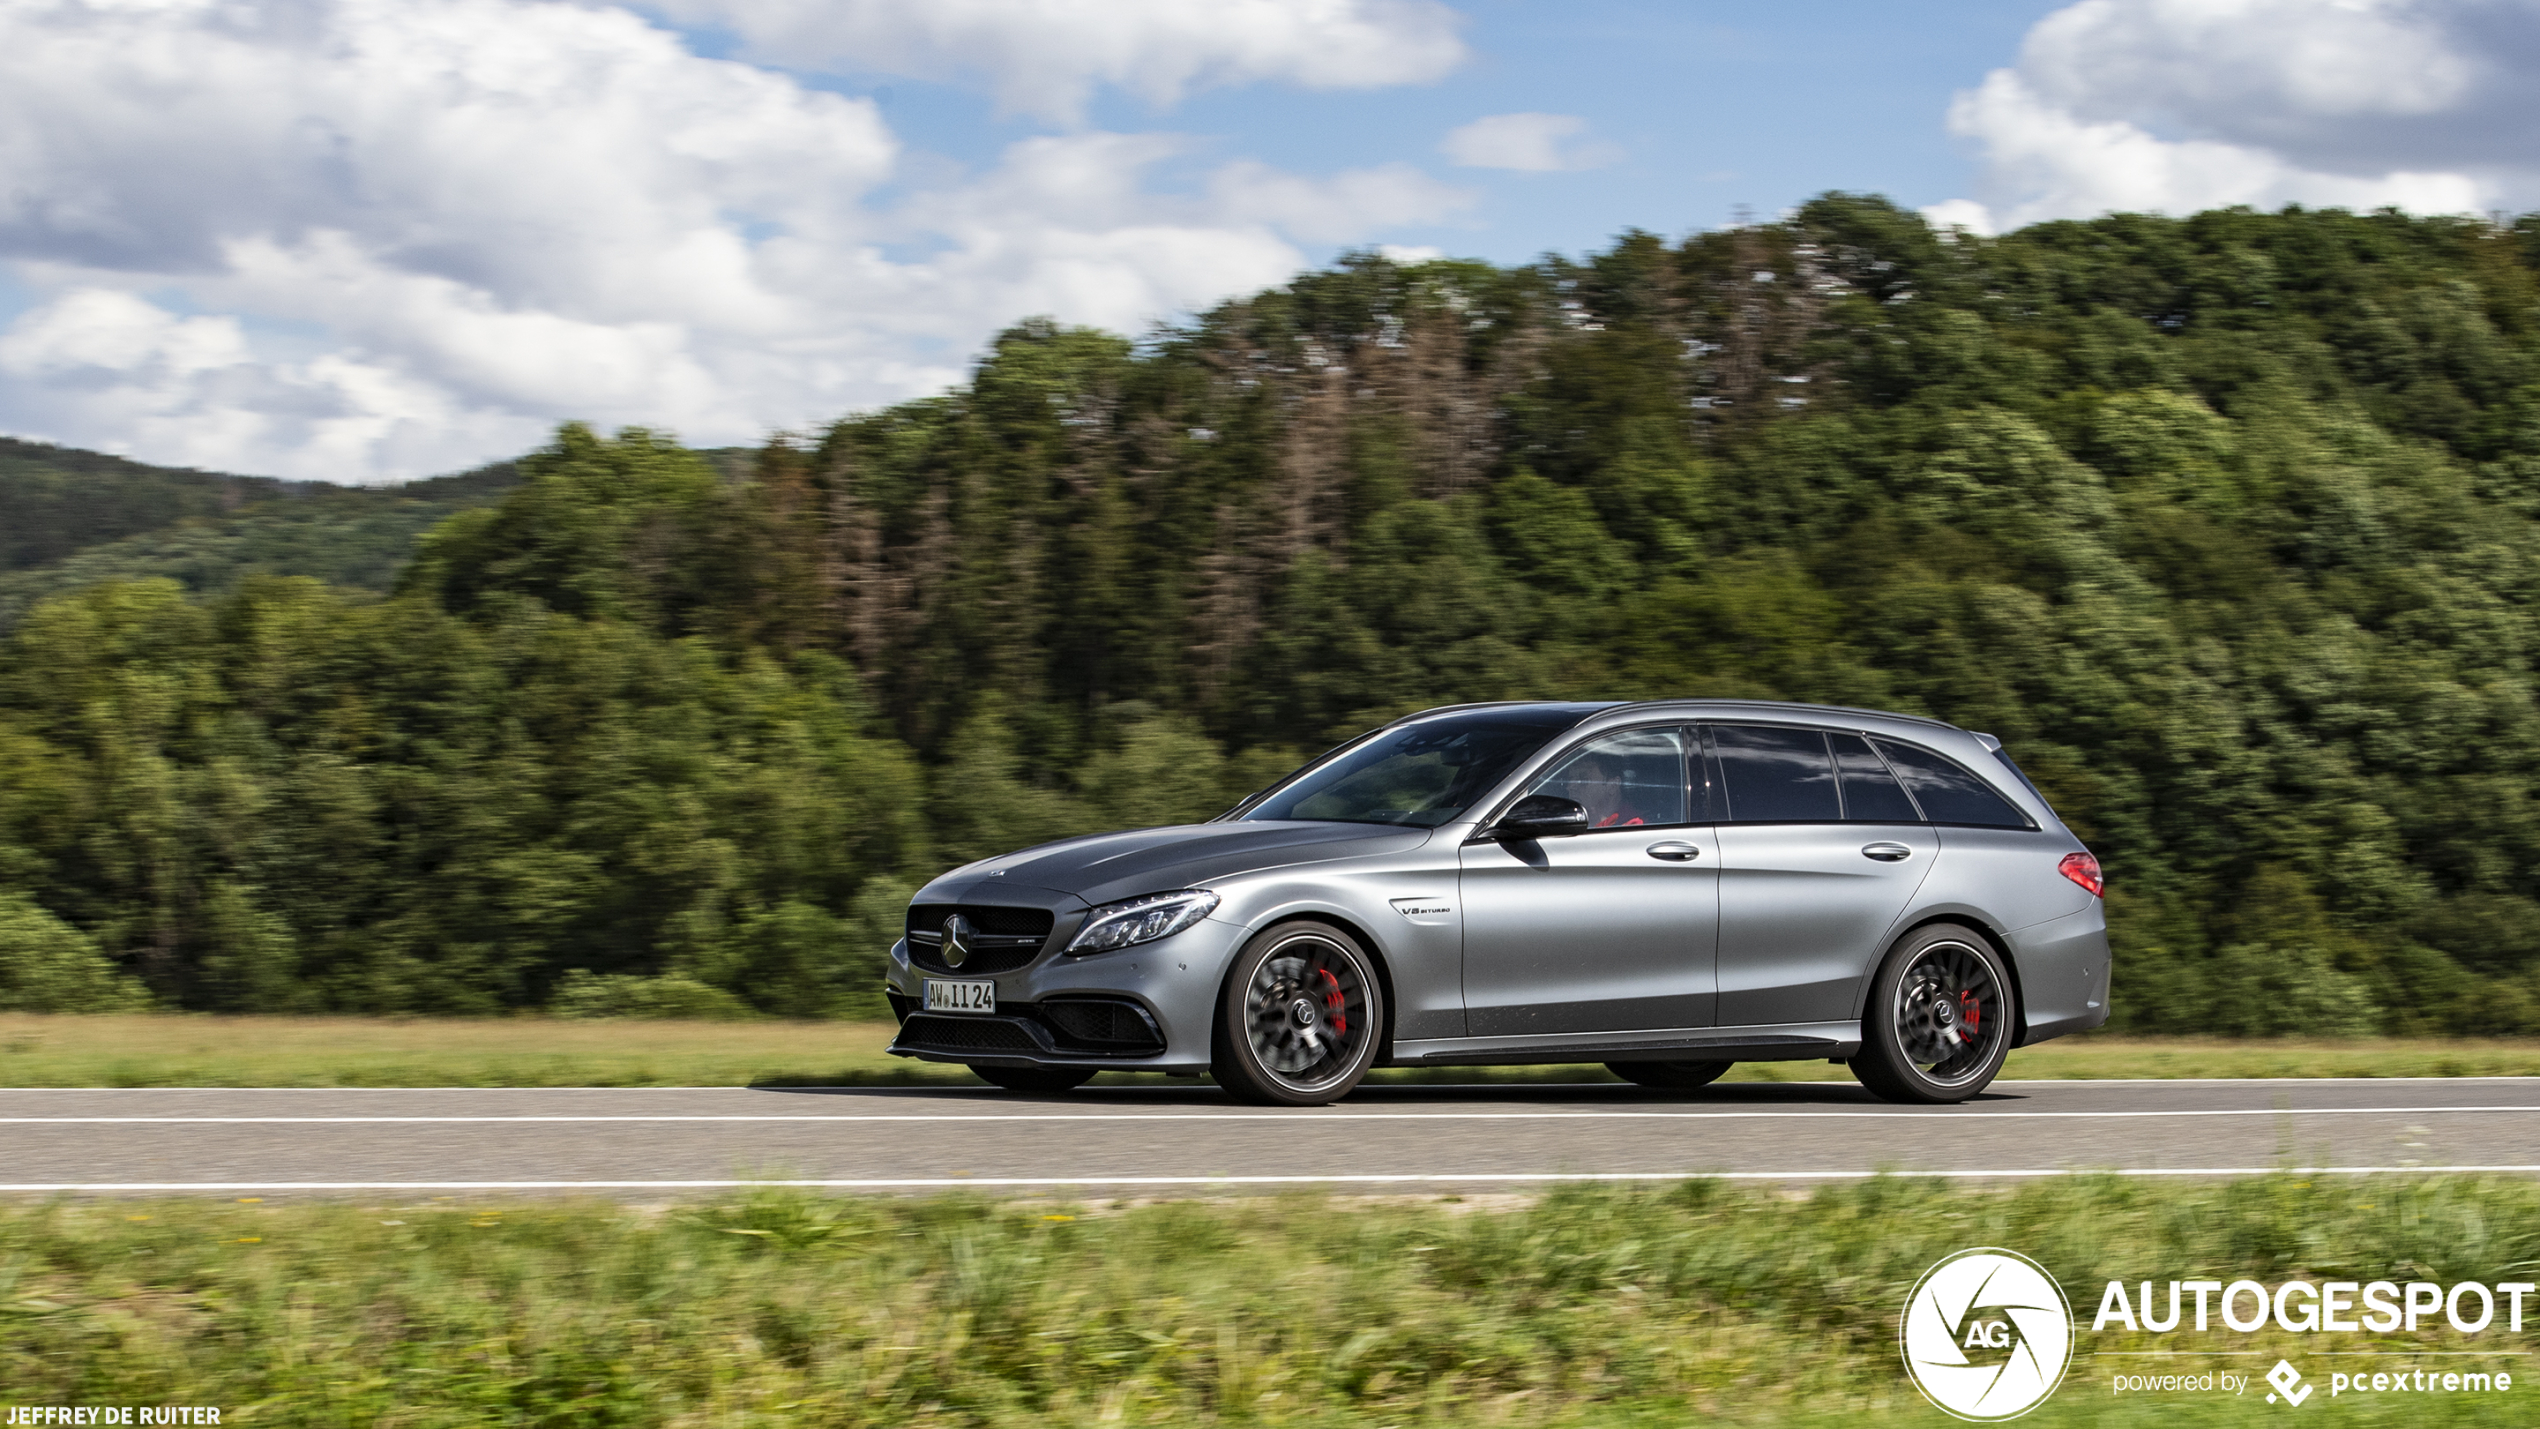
[
  {"x": 1871, "y": 795},
  {"x": 1772, "y": 774},
  {"x": 2022, "y": 775},
  {"x": 1949, "y": 794},
  {"x": 1624, "y": 780},
  {"x": 1422, "y": 774}
]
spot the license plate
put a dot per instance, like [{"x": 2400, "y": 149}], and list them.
[{"x": 960, "y": 996}]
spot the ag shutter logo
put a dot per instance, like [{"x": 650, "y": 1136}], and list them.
[{"x": 1987, "y": 1335}]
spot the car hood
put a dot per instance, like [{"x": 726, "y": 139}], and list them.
[{"x": 1105, "y": 868}]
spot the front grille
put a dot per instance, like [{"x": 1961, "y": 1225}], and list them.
[
  {"x": 982, "y": 962},
  {"x": 988, "y": 956},
  {"x": 986, "y": 917},
  {"x": 1002, "y": 939},
  {"x": 966, "y": 1034},
  {"x": 1102, "y": 1024}
]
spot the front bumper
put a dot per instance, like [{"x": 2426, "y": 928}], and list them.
[
  {"x": 1044, "y": 1009},
  {"x": 1118, "y": 1031}
]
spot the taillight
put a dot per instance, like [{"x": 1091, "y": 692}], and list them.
[{"x": 2083, "y": 869}]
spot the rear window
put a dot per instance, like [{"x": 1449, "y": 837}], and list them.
[
  {"x": 1949, "y": 794},
  {"x": 2022, "y": 775}
]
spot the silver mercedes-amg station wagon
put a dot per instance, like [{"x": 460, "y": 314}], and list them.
[{"x": 1665, "y": 887}]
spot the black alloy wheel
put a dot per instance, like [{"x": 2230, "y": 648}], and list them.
[
  {"x": 1670, "y": 1076},
  {"x": 1300, "y": 1017},
  {"x": 1939, "y": 1017},
  {"x": 1034, "y": 1079}
]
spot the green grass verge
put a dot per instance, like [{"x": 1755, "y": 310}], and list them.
[
  {"x": 1699, "y": 1302},
  {"x": 176, "y": 1051}
]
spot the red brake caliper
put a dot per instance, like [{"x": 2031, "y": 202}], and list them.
[
  {"x": 1970, "y": 1012},
  {"x": 1332, "y": 1002}
]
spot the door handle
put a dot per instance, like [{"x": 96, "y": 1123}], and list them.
[
  {"x": 1887, "y": 852},
  {"x": 1675, "y": 851}
]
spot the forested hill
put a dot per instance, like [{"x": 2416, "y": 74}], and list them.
[
  {"x": 2228, "y": 526},
  {"x": 74, "y": 518}
]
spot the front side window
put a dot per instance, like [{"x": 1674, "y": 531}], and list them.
[
  {"x": 1776, "y": 775},
  {"x": 1421, "y": 775},
  {"x": 1949, "y": 794},
  {"x": 1633, "y": 779}
]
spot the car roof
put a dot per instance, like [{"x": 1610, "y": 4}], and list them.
[{"x": 1591, "y": 709}]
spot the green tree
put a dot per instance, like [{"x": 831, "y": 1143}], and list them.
[
  {"x": 46, "y": 965},
  {"x": 2228, "y": 526}
]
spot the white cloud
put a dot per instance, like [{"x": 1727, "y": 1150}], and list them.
[
  {"x": 460, "y": 131},
  {"x": 131, "y": 377},
  {"x": 1047, "y": 57},
  {"x": 361, "y": 239},
  {"x": 1530, "y": 143},
  {"x": 1349, "y": 203},
  {"x": 2308, "y": 77},
  {"x": 2176, "y": 105},
  {"x": 1963, "y": 213},
  {"x": 2043, "y": 162}
]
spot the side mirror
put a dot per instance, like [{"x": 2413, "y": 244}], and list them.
[{"x": 1542, "y": 815}]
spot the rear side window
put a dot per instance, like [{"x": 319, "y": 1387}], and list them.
[
  {"x": 1776, "y": 775},
  {"x": 1871, "y": 794},
  {"x": 1949, "y": 794}
]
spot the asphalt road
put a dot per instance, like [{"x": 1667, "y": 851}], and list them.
[{"x": 1177, "y": 1139}]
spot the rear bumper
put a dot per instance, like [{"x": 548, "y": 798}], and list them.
[{"x": 2063, "y": 971}]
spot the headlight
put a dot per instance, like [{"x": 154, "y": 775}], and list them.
[{"x": 1141, "y": 920}]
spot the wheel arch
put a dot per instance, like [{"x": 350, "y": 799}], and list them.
[
  {"x": 1982, "y": 927},
  {"x": 1375, "y": 954}
]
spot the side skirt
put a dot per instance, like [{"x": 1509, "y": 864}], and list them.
[{"x": 1796, "y": 1042}]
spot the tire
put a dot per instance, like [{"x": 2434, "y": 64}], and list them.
[
  {"x": 1670, "y": 1076},
  {"x": 1034, "y": 1079},
  {"x": 1300, "y": 1017},
  {"x": 1939, "y": 1017}
]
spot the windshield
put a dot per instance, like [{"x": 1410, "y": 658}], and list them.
[{"x": 1422, "y": 775}]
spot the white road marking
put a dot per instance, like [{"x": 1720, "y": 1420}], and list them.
[
  {"x": 1109, "y": 1089},
  {"x": 2175, "y": 1081},
  {"x": 925, "y": 1182},
  {"x": 1269, "y": 1117}
]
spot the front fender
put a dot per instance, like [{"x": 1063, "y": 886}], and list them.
[{"x": 1396, "y": 913}]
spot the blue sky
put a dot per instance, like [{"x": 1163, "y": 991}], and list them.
[
  {"x": 1711, "y": 106},
  {"x": 365, "y": 240}
]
